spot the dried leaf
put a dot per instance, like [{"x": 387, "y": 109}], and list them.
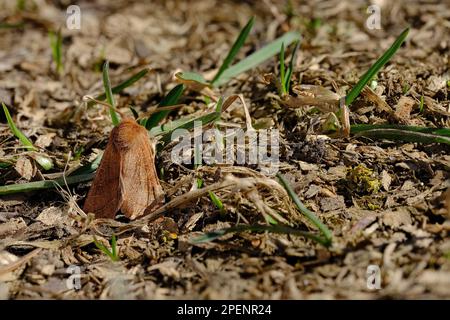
[
  {"x": 385, "y": 180},
  {"x": 397, "y": 218},
  {"x": 403, "y": 109},
  {"x": 25, "y": 167},
  {"x": 45, "y": 140}
]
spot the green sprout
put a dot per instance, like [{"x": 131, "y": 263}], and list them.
[
  {"x": 113, "y": 254},
  {"x": 109, "y": 94},
  {"x": 56, "y": 45},
  {"x": 45, "y": 162},
  {"x": 227, "y": 71},
  {"x": 373, "y": 70},
  {"x": 286, "y": 72}
]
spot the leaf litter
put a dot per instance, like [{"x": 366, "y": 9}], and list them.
[{"x": 386, "y": 203}]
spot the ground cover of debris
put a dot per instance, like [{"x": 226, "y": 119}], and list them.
[{"x": 383, "y": 201}]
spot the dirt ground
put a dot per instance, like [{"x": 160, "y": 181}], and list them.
[{"x": 395, "y": 220}]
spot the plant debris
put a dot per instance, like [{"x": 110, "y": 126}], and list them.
[{"x": 379, "y": 195}]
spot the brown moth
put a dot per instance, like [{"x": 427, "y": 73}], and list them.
[{"x": 126, "y": 179}]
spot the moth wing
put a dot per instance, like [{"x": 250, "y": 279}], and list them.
[
  {"x": 104, "y": 198},
  {"x": 139, "y": 179}
]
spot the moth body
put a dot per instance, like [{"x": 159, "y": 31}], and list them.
[{"x": 126, "y": 179}]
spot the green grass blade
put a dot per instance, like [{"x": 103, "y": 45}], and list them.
[
  {"x": 114, "y": 247},
  {"x": 134, "y": 112},
  {"x": 169, "y": 100},
  {"x": 89, "y": 167},
  {"x": 404, "y": 135},
  {"x": 109, "y": 94},
  {"x": 421, "y": 104},
  {"x": 143, "y": 122},
  {"x": 16, "y": 131},
  {"x": 234, "y": 50},
  {"x": 282, "y": 70},
  {"x": 217, "y": 202},
  {"x": 46, "y": 184},
  {"x": 309, "y": 214},
  {"x": 441, "y": 132},
  {"x": 356, "y": 128},
  {"x": 351, "y": 96},
  {"x": 101, "y": 246},
  {"x": 257, "y": 57},
  {"x": 219, "y": 105},
  {"x": 104, "y": 249},
  {"x": 210, "y": 236},
  {"x": 12, "y": 25},
  {"x": 5, "y": 165},
  {"x": 45, "y": 162},
  {"x": 20, "y": 4},
  {"x": 56, "y": 45},
  {"x": 287, "y": 82},
  {"x": 121, "y": 86},
  {"x": 192, "y": 77},
  {"x": 184, "y": 123},
  {"x": 188, "y": 125}
]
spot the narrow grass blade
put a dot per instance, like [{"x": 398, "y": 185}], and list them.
[
  {"x": 121, "y": 86},
  {"x": 169, "y": 100},
  {"x": 56, "y": 45},
  {"x": 5, "y": 165},
  {"x": 184, "y": 122},
  {"x": 20, "y": 4},
  {"x": 351, "y": 96},
  {"x": 421, "y": 104},
  {"x": 45, "y": 162},
  {"x": 404, "y": 135},
  {"x": 12, "y": 25},
  {"x": 364, "y": 127},
  {"x": 134, "y": 112},
  {"x": 257, "y": 57},
  {"x": 287, "y": 82},
  {"x": 234, "y": 49},
  {"x": 217, "y": 202},
  {"x": 109, "y": 94},
  {"x": 188, "y": 76},
  {"x": 42, "y": 185},
  {"x": 111, "y": 254},
  {"x": 114, "y": 247},
  {"x": 309, "y": 214},
  {"x": 219, "y": 105},
  {"x": 282, "y": 70},
  {"x": 16, "y": 131},
  {"x": 210, "y": 236},
  {"x": 199, "y": 183},
  {"x": 102, "y": 247},
  {"x": 89, "y": 167}
]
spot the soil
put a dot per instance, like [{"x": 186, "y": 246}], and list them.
[{"x": 385, "y": 202}]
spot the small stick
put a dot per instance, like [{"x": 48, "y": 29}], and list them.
[
  {"x": 19, "y": 262},
  {"x": 103, "y": 103}
]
